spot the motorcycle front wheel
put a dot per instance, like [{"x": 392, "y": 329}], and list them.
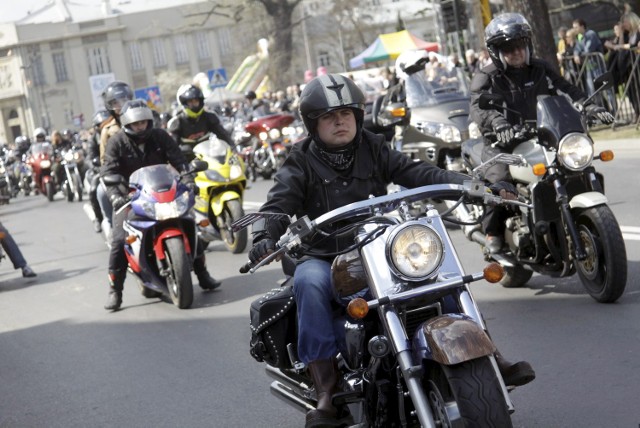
[
  {"x": 179, "y": 278},
  {"x": 235, "y": 242},
  {"x": 77, "y": 185},
  {"x": 472, "y": 387},
  {"x": 604, "y": 272},
  {"x": 50, "y": 189}
]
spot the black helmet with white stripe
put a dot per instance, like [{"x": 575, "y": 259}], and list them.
[{"x": 327, "y": 93}]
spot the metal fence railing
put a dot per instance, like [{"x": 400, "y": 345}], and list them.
[{"x": 623, "y": 99}]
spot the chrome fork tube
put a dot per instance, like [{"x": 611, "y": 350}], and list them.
[{"x": 411, "y": 374}]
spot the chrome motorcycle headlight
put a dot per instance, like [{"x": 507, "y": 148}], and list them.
[
  {"x": 575, "y": 151},
  {"x": 45, "y": 164},
  {"x": 474, "y": 130},
  {"x": 415, "y": 251},
  {"x": 447, "y": 133},
  {"x": 68, "y": 156},
  {"x": 274, "y": 134},
  {"x": 263, "y": 136}
]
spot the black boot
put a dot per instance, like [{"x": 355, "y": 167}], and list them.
[
  {"x": 207, "y": 282},
  {"x": 325, "y": 379},
  {"x": 116, "y": 283},
  {"x": 514, "y": 374}
]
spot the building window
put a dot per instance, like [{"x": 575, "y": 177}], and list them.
[
  {"x": 159, "y": 55},
  {"x": 202, "y": 45},
  {"x": 324, "y": 59},
  {"x": 182, "y": 51},
  {"x": 224, "y": 37},
  {"x": 137, "y": 61},
  {"x": 35, "y": 65},
  {"x": 98, "y": 57},
  {"x": 60, "y": 67}
]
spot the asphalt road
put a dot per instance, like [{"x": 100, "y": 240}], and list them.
[{"x": 66, "y": 362}]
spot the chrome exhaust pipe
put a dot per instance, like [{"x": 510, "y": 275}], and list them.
[
  {"x": 295, "y": 382},
  {"x": 287, "y": 395}
]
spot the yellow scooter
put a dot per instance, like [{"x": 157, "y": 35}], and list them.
[{"x": 220, "y": 191}]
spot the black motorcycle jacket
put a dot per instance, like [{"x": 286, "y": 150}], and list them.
[
  {"x": 306, "y": 185},
  {"x": 187, "y": 131},
  {"x": 123, "y": 156},
  {"x": 520, "y": 88}
]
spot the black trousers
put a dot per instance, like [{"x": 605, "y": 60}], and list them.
[{"x": 493, "y": 222}]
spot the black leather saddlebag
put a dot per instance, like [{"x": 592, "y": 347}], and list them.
[{"x": 273, "y": 326}]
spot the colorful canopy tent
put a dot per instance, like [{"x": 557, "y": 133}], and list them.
[{"x": 389, "y": 46}]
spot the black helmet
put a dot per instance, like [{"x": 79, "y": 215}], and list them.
[
  {"x": 165, "y": 117},
  {"x": 99, "y": 117},
  {"x": 136, "y": 111},
  {"x": 250, "y": 95},
  {"x": 187, "y": 93},
  {"x": 22, "y": 142},
  {"x": 330, "y": 92},
  {"x": 67, "y": 134},
  {"x": 505, "y": 29},
  {"x": 116, "y": 94}
]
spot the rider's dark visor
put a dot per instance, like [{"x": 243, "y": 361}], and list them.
[{"x": 513, "y": 45}]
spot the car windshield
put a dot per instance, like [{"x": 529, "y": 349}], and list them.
[{"x": 425, "y": 90}]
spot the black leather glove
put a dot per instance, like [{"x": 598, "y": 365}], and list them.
[
  {"x": 118, "y": 202},
  {"x": 504, "y": 131},
  {"x": 507, "y": 186},
  {"x": 192, "y": 187},
  {"x": 261, "y": 249},
  {"x": 596, "y": 112}
]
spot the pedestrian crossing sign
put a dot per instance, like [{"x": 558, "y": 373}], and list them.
[{"x": 217, "y": 78}]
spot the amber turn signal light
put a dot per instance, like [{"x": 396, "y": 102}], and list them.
[
  {"x": 539, "y": 169},
  {"x": 399, "y": 112},
  {"x": 131, "y": 239},
  {"x": 493, "y": 272},
  {"x": 358, "y": 308},
  {"x": 606, "y": 155},
  {"x": 204, "y": 223}
]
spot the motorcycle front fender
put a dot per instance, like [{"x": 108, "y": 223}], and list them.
[
  {"x": 451, "y": 339},
  {"x": 588, "y": 200},
  {"x": 218, "y": 201},
  {"x": 158, "y": 246}
]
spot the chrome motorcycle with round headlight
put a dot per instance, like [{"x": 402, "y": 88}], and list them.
[
  {"x": 415, "y": 351},
  {"x": 565, "y": 225}
]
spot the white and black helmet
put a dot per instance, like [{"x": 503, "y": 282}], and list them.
[{"x": 136, "y": 111}]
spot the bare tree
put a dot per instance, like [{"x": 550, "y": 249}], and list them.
[{"x": 543, "y": 43}]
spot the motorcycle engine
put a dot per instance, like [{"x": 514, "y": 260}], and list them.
[{"x": 518, "y": 236}]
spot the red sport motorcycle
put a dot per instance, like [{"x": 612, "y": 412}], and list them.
[{"x": 41, "y": 159}]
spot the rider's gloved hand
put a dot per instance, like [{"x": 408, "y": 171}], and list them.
[
  {"x": 504, "y": 189},
  {"x": 503, "y": 130},
  {"x": 596, "y": 112},
  {"x": 191, "y": 185},
  {"x": 118, "y": 202},
  {"x": 261, "y": 249}
]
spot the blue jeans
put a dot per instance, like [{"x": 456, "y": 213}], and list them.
[
  {"x": 12, "y": 249},
  {"x": 313, "y": 292}
]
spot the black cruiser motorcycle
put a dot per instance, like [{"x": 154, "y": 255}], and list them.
[
  {"x": 564, "y": 225},
  {"x": 416, "y": 352}
]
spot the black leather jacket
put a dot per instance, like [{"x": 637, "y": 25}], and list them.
[
  {"x": 305, "y": 185},
  {"x": 520, "y": 89},
  {"x": 187, "y": 131},
  {"x": 123, "y": 156}
]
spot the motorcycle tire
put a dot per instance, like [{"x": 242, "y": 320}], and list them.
[
  {"x": 604, "y": 272},
  {"x": 68, "y": 193},
  {"x": 179, "y": 279},
  {"x": 50, "y": 188},
  {"x": 77, "y": 185},
  {"x": 475, "y": 388},
  {"x": 235, "y": 242},
  {"x": 515, "y": 276}
]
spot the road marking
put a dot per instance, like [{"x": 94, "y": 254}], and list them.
[
  {"x": 630, "y": 233},
  {"x": 252, "y": 205}
]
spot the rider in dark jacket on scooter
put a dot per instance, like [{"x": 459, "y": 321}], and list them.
[
  {"x": 136, "y": 145},
  {"x": 194, "y": 122},
  {"x": 337, "y": 164},
  {"x": 520, "y": 79}
]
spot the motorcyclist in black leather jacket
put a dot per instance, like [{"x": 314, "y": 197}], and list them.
[
  {"x": 136, "y": 145},
  {"x": 194, "y": 122},
  {"x": 337, "y": 164},
  {"x": 520, "y": 78}
]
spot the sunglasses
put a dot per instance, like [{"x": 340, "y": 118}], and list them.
[{"x": 513, "y": 45}]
